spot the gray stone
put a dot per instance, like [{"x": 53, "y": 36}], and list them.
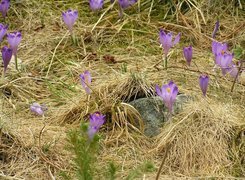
[{"x": 154, "y": 113}]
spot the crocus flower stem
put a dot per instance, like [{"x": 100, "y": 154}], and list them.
[
  {"x": 165, "y": 62},
  {"x": 16, "y": 62},
  {"x": 73, "y": 38}
]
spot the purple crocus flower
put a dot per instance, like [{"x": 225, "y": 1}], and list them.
[
  {"x": 126, "y": 3},
  {"x": 168, "y": 93},
  {"x": 188, "y": 54},
  {"x": 69, "y": 17},
  {"x": 3, "y": 30},
  {"x": 224, "y": 61},
  {"x": 4, "y": 7},
  {"x": 218, "y": 47},
  {"x": 86, "y": 81},
  {"x": 6, "y": 55},
  {"x": 216, "y": 27},
  {"x": 38, "y": 109},
  {"x": 96, "y": 4},
  {"x": 166, "y": 41},
  {"x": 203, "y": 82},
  {"x": 96, "y": 121},
  {"x": 14, "y": 41}
]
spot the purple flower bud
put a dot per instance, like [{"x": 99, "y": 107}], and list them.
[
  {"x": 6, "y": 55},
  {"x": 216, "y": 27},
  {"x": 3, "y": 30},
  {"x": 14, "y": 41},
  {"x": 96, "y": 4},
  {"x": 38, "y": 109},
  {"x": 168, "y": 93},
  {"x": 188, "y": 54},
  {"x": 126, "y": 3},
  {"x": 86, "y": 81},
  {"x": 96, "y": 121},
  {"x": 69, "y": 17},
  {"x": 4, "y": 7},
  {"x": 203, "y": 82},
  {"x": 166, "y": 41}
]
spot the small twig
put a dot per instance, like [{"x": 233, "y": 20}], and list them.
[
  {"x": 234, "y": 82},
  {"x": 163, "y": 160}
]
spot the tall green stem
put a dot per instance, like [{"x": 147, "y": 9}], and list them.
[{"x": 73, "y": 38}]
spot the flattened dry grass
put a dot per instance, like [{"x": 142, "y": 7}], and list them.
[{"x": 206, "y": 139}]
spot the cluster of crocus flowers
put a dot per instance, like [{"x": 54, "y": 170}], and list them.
[
  {"x": 168, "y": 93},
  {"x": 96, "y": 120},
  {"x": 187, "y": 51},
  {"x": 4, "y": 7},
  {"x": 223, "y": 58},
  {"x": 167, "y": 42},
  {"x": 38, "y": 109},
  {"x": 14, "y": 40},
  {"x": 96, "y": 4},
  {"x": 203, "y": 83},
  {"x": 86, "y": 81}
]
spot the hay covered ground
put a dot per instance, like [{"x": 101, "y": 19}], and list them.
[{"x": 205, "y": 140}]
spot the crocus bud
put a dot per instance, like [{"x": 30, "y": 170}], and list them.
[
  {"x": 96, "y": 4},
  {"x": 96, "y": 121},
  {"x": 203, "y": 82},
  {"x": 166, "y": 41},
  {"x": 4, "y": 7},
  {"x": 188, "y": 54},
  {"x": 216, "y": 27},
  {"x": 86, "y": 81},
  {"x": 3, "y": 30},
  {"x": 14, "y": 41},
  {"x": 6, "y": 55},
  {"x": 38, "y": 109},
  {"x": 168, "y": 93},
  {"x": 69, "y": 17}
]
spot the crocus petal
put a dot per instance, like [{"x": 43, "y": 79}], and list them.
[
  {"x": 37, "y": 109},
  {"x": 177, "y": 39},
  {"x": 158, "y": 90},
  {"x": 96, "y": 4},
  {"x": 3, "y": 30},
  {"x": 203, "y": 82}
]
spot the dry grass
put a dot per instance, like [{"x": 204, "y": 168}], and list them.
[{"x": 206, "y": 139}]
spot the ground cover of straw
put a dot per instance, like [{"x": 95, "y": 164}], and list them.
[{"x": 205, "y": 140}]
